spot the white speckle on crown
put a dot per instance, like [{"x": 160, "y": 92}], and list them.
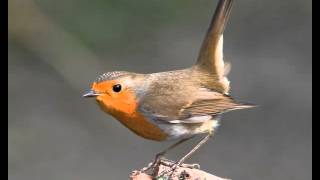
[{"x": 110, "y": 76}]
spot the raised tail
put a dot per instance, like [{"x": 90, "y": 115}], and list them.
[{"x": 210, "y": 57}]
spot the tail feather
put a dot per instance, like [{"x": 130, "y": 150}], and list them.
[
  {"x": 244, "y": 106},
  {"x": 210, "y": 57}
]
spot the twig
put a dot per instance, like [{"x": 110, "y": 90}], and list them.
[{"x": 184, "y": 172}]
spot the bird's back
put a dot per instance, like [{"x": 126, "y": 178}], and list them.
[{"x": 169, "y": 91}]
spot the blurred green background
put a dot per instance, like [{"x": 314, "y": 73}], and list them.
[{"x": 58, "y": 47}]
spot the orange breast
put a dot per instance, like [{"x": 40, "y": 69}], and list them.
[
  {"x": 123, "y": 107},
  {"x": 142, "y": 126}
]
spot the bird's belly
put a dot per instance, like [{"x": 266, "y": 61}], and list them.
[{"x": 184, "y": 130}]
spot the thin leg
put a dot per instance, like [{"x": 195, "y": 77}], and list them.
[
  {"x": 162, "y": 153},
  {"x": 178, "y": 163},
  {"x": 202, "y": 142}
]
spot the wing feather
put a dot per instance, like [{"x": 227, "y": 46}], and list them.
[{"x": 204, "y": 107}]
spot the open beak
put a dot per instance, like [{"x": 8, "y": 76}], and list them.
[{"x": 91, "y": 93}]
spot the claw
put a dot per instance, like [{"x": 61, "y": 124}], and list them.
[
  {"x": 154, "y": 163},
  {"x": 168, "y": 173},
  {"x": 149, "y": 166}
]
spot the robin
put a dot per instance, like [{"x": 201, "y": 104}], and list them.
[{"x": 175, "y": 104}]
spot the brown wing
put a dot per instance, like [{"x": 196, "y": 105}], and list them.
[
  {"x": 219, "y": 104},
  {"x": 200, "y": 106},
  {"x": 211, "y": 53}
]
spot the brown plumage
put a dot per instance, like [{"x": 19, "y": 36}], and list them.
[{"x": 175, "y": 104}]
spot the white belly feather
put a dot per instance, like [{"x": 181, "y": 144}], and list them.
[{"x": 183, "y": 130}]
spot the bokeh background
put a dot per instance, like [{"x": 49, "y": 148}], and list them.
[{"x": 58, "y": 47}]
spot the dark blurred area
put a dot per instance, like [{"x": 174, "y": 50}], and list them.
[{"x": 58, "y": 47}]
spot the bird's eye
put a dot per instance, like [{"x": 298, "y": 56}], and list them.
[{"x": 116, "y": 88}]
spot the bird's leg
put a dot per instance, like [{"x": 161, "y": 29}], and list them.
[
  {"x": 162, "y": 153},
  {"x": 178, "y": 163},
  {"x": 202, "y": 142}
]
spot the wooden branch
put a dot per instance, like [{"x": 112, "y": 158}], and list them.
[{"x": 184, "y": 172}]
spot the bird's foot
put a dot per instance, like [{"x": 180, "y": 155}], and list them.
[
  {"x": 171, "y": 167},
  {"x": 168, "y": 174},
  {"x": 170, "y": 163},
  {"x": 157, "y": 160}
]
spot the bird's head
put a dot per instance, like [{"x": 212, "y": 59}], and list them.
[{"x": 117, "y": 93}]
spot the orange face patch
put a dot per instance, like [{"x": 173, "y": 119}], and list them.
[
  {"x": 123, "y": 106},
  {"x": 115, "y": 102}
]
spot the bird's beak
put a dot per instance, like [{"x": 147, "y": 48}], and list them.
[{"x": 91, "y": 93}]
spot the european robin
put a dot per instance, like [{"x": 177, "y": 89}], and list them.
[{"x": 175, "y": 104}]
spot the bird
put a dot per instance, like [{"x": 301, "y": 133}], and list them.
[{"x": 174, "y": 105}]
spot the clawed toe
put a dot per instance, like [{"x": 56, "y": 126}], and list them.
[
  {"x": 158, "y": 159},
  {"x": 167, "y": 174},
  {"x": 191, "y": 166}
]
